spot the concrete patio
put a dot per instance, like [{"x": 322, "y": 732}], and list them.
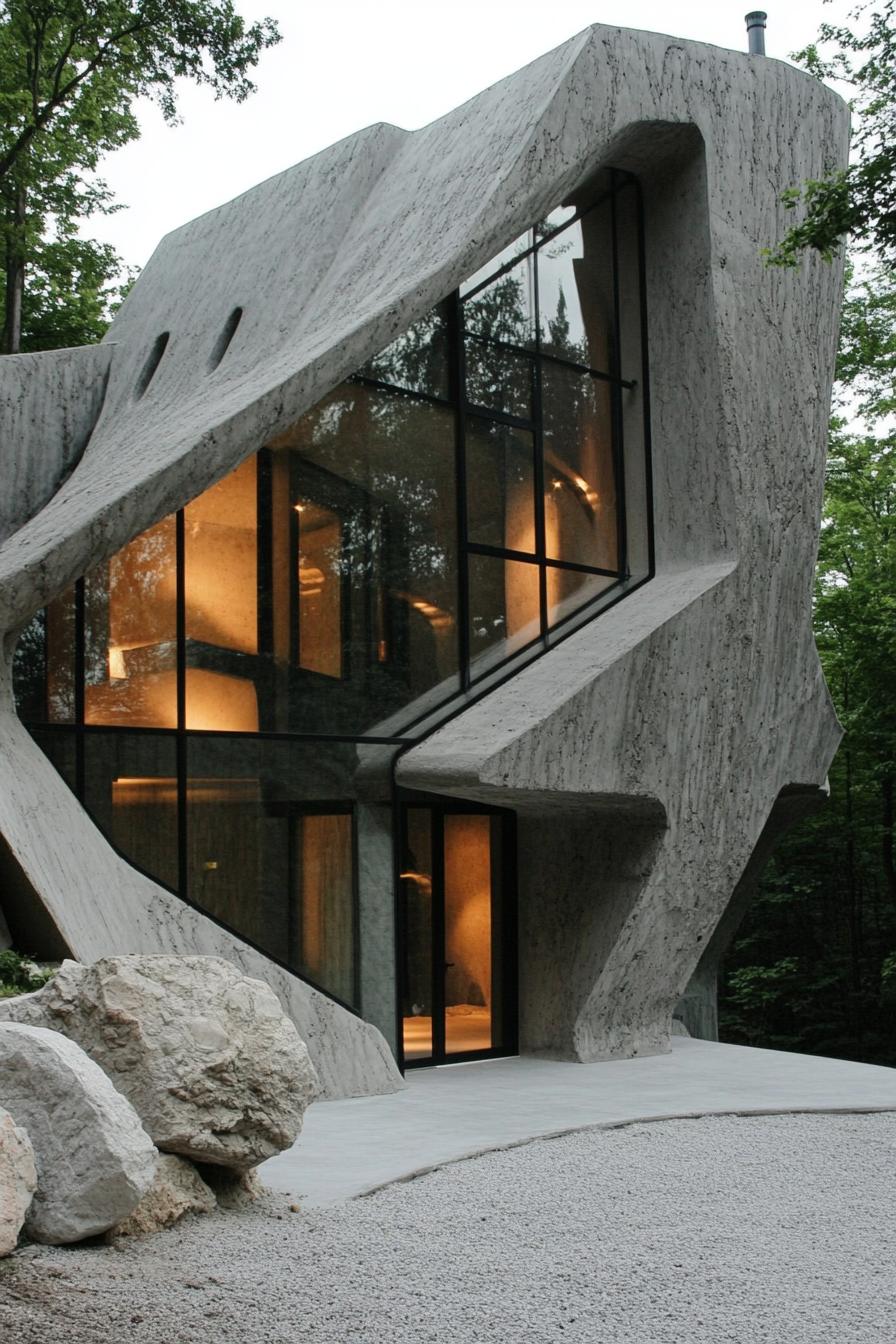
[{"x": 349, "y": 1148}]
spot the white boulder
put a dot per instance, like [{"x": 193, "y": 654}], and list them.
[
  {"x": 214, "y": 1068},
  {"x": 94, "y": 1159},
  {"x": 177, "y": 1189},
  {"x": 18, "y": 1180}
]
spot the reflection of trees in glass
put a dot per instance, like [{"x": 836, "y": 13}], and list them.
[
  {"x": 131, "y": 601},
  {"x": 495, "y": 377},
  {"x": 28, "y": 670},
  {"x": 384, "y": 525},
  {"x": 560, "y": 342},
  {"x": 417, "y": 359},
  {"x": 397, "y": 450},
  {"x": 556, "y": 330},
  {"x": 501, "y": 312}
]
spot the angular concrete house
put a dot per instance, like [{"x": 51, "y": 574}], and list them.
[{"x": 411, "y": 596}]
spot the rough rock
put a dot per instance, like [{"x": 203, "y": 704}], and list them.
[
  {"x": 206, "y": 1055},
  {"x": 177, "y": 1189},
  {"x": 232, "y": 1189},
  {"x": 18, "y": 1180},
  {"x": 94, "y": 1159}
]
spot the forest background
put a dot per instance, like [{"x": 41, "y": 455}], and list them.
[{"x": 813, "y": 967}]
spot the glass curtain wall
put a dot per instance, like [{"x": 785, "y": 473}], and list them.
[{"x": 226, "y": 691}]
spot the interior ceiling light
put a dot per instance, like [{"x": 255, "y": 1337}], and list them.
[
  {"x": 437, "y": 617},
  {"x": 421, "y": 880}
]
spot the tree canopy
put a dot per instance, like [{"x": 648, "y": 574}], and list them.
[
  {"x": 859, "y": 201},
  {"x": 70, "y": 72},
  {"x": 814, "y": 965}
]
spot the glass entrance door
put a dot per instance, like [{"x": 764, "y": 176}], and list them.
[{"x": 459, "y": 952}]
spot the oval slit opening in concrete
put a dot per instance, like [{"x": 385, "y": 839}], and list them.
[
  {"x": 223, "y": 342},
  {"x": 153, "y": 361}
]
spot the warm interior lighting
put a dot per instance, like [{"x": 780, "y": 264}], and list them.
[
  {"x": 572, "y": 481},
  {"x": 468, "y": 933},
  {"x": 321, "y": 591},
  {"x": 468, "y": 1028},
  {"x": 117, "y": 669},
  {"x": 227, "y": 791},
  {"x": 221, "y": 563},
  {"x": 588, "y": 491},
  {"x": 437, "y": 617},
  {"x": 311, "y": 581},
  {"x": 135, "y": 790},
  {"x": 217, "y": 701},
  {"x": 422, "y": 880}
]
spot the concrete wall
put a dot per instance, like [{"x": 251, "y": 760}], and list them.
[
  {"x": 661, "y": 734},
  {"x": 648, "y": 751}
]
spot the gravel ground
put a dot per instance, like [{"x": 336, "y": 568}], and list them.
[{"x": 684, "y": 1232}]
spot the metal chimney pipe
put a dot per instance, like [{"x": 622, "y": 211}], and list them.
[{"x": 756, "y": 32}]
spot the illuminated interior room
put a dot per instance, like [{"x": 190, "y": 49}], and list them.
[{"x": 228, "y": 694}]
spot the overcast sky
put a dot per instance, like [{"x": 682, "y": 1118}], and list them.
[{"x": 343, "y": 64}]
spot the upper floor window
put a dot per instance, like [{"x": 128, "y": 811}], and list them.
[{"x": 472, "y": 488}]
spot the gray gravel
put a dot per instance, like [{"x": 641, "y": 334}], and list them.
[{"x": 735, "y": 1229}]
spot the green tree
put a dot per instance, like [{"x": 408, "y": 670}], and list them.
[
  {"x": 814, "y": 966},
  {"x": 860, "y": 201},
  {"x": 70, "y": 72}
]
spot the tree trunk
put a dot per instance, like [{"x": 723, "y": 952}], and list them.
[{"x": 15, "y": 276}]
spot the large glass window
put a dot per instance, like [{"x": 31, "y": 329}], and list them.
[
  {"x": 210, "y": 690},
  {"x": 130, "y": 634},
  {"x": 543, "y": 365},
  {"x": 270, "y": 849},
  {"x": 372, "y": 583}
]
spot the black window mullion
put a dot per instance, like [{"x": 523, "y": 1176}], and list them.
[
  {"x": 392, "y": 389},
  {"x": 357, "y": 952},
  {"x": 437, "y": 907},
  {"x": 521, "y": 352},
  {"x": 181, "y": 680},
  {"x": 80, "y": 667},
  {"x": 539, "y": 242},
  {"x": 538, "y": 451},
  {"x": 616, "y": 396},
  {"x": 264, "y": 554},
  {"x": 498, "y": 417},
  {"x": 505, "y": 553},
  {"x": 645, "y": 382},
  {"x": 458, "y": 390},
  {"x": 599, "y": 374},
  {"x": 295, "y": 613}
]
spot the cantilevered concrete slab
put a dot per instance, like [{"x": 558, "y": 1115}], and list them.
[{"x": 348, "y": 1148}]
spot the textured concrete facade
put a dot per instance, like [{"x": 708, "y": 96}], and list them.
[{"x": 647, "y": 752}]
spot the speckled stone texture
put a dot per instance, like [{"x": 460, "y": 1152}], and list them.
[
  {"x": 648, "y": 751},
  {"x": 205, "y": 1055},
  {"x": 94, "y": 1160},
  {"x": 18, "y": 1180},
  {"x": 178, "y": 1189}
]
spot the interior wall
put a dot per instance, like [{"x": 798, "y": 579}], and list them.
[{"x": 468, "y": 910}]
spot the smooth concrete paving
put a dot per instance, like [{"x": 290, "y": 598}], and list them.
[{"x": 349, "y": 1148}]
